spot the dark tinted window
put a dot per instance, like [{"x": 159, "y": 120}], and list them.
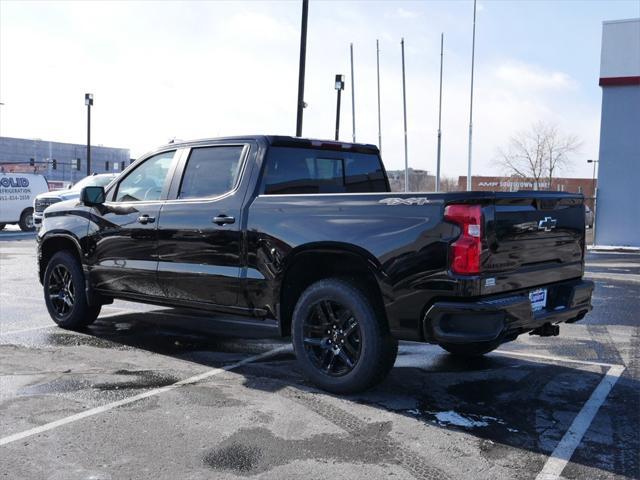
[
  {"x": 302, "y": 170},
  {"x": 211, "y": 171}
]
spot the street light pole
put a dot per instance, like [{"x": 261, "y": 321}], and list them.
[
  {"x": 404, "y": 105},
  {"x": 88, "y": 101},
  {"x": 595, "y": 198},
  {"x": 301, "y": 70},
  {"x": 339, "y": 87},
  {"x": 353, "y": 99}
]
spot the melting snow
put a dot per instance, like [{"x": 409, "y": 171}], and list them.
[{"x": 467, "y": 421}]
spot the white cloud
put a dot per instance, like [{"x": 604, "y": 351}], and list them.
[
  {"x": 405, "y": 13},
  {"x": 530, "y": 77}
]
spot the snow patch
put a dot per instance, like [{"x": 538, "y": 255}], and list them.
[{"x": 451, "y": 417}]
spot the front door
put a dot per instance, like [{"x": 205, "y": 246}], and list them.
[
  {"x": 123, "y": 236},
  {"x": 200, "y": 233}
]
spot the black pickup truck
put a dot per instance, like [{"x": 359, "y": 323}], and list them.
[{"x": 304, "y": 238}]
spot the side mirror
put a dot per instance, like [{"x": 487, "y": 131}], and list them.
[{"x": 92, "y": 196}]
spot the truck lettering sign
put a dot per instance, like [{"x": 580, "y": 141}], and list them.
[{"x": 18, "y": 182}]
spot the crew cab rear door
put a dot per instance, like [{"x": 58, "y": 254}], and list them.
[
  {"x": 534, "y": 238},
  {"x": 200, "y": 230}
]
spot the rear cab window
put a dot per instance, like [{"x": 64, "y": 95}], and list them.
[{"x": 306, "y": 171}]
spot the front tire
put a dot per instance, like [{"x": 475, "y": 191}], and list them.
[
  {"x": 469, "y": 350},
  {"x": 26, "y": 220},
  {"x": 340, "y": 339},
  {"x": 64, "y": 293}
]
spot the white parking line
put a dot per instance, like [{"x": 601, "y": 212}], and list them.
[
  {"x": 564, "y": 450},
  {"x": 125, "y": 401},
  {"x": 556, "y": 359}
]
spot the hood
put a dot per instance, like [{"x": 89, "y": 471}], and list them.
[
  {"x": 64, "y": 205},
  {"x": 60, "y": 194}
]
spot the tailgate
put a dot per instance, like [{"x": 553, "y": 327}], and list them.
[{"x": 535, "y": 238}]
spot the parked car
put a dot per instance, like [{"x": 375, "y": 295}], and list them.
[
  {"x": 44, "y": 200},
  {"x": 588, "y": 217},
  {"x": 303, "y": 238},
  {"x": 17, "y": 191}
]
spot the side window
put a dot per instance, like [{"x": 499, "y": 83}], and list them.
[
  {"x": 210, "y": 171},
  {"x": 147, "y": 180}
]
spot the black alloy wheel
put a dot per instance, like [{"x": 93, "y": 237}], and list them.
[
  {"x": 61, "y": 291},
  {"x": 340, "y": 336},
  {"x": 64, "y": 292},
  {"x": 332, "y": 337}
]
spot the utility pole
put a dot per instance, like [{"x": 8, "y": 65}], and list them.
[
  {"x": 353, "y": 99},
  {"x": 301, "y": 70},
  {"x": 404, "y": 105},
  {"x": 88, "y": 101},
  {"x": 440, "y": 115},
  {"x": 473, "y": 52},
  {"x": 379, "y": 116}
]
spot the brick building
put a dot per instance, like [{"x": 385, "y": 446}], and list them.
[{"x": 512, "y": 184}]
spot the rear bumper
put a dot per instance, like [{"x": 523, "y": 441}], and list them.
[{"x": 502, "y": 318}]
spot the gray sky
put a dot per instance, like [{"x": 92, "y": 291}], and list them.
[{"x": 160, "y": 70}]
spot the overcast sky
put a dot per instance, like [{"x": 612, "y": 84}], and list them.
[{"x": 161, "y": 70}]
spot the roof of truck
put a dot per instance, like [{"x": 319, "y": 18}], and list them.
[{"x": 287, "y": 141}]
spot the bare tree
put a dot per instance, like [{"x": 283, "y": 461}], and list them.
[
  {"x": 449, "y": 184},
  {"x": 539, "y": 153}
]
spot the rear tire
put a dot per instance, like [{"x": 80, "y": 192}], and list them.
[
  {"x": 340, "y": 339},
  {"x": 469, "y": 349},
  {"x": 64, "y": 293},
  {"x": 2, "y": 225},
  {"x": 26, "y": 220}
]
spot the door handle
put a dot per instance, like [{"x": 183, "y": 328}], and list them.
[
  {"x": 144, "y": 219},
  {"x": 223, "y": 220}
]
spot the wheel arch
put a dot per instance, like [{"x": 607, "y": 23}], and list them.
[
  {"x": 53, "y": 243},
  {"x": 316, "y": 261}
]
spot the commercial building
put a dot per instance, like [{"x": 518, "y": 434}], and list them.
[
  {"x": 585, "y": 186},
  {"x": 58, "y": 161},
  {"x": 618, "y": 204},
  {"x": 419, "y": 180}
]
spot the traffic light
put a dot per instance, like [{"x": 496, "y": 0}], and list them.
[
  {"x": 54, "y": 164},
  {"x": 77, "y": 164},
  {"x": 32, "y": 162}
]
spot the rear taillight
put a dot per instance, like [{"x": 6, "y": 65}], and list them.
[{"x": 464, "y": 253}]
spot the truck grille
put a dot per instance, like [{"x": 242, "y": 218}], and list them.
[{"x": 42, "y": 203}]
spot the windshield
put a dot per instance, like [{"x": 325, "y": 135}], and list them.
[{"x": 93, "y": 181}]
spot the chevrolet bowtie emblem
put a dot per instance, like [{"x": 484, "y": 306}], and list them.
[{"x": 547, "y": 224}]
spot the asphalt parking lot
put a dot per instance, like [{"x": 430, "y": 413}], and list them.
[{"x": 150, "y": 392}]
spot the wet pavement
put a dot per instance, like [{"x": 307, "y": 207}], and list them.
[{"x": 151, "y": 392}]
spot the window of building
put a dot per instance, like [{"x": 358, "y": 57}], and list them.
[
  {"x": 106, "y": 166},
  {"x": 211, "y": 171}
]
